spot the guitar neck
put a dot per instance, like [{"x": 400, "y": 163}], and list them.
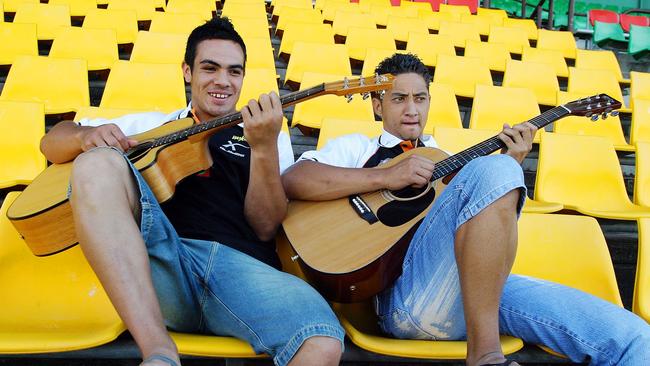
[
  {"x": 457, "y": 161},
  {"x": 234, "y": 118}
]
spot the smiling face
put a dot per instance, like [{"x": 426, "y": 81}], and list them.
[
  {"x": 216, "y": 78},
  {"x": 405, "y": 107}
]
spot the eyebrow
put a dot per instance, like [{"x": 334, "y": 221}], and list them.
[
  {"x": 400, "y": 94},
  {"x": 214, "y": 63}
]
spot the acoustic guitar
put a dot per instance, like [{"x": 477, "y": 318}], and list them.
[
  {"x": 353, "y": 247},
  {"x": 164, "y": 155}
]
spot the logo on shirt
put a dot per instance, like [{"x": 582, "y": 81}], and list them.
[{"x": 235, "y": 148}]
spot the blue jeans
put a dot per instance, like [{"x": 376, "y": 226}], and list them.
[
  {"x": 207, "y": 287},
  {"x": 426, "y": 302}
]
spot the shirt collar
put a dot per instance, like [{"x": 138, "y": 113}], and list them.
[{"x": 388, "y": 140}]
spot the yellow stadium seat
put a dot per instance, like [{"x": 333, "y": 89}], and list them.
[
  {"x": 444, "y": 110},
  {"x": 583, "y": 173},
  {"x": 527, "y": 24},
  {"x": 550, "y": 57},
  {"x": 204, "y": 8},
  {"x": 588, "y": 81},
  {"x": 259, "y": 53},
  {"x": 163, "y": 48},
  {"x": 279, "y": 5},
  {"x": 213, "y": 346},
  {"x": 401, "y": 27},
  {"x": 532, "y": 206},
  {"x": 557, "y": 40},
  {"x": 456, "y": 9},
  {"x": 244, "y": 10},
  {"x": 640, "y": 129},
  {"x": 50, "y": 19},
  {"x": 181, "y": 23},
  {"x": 640, "y": 86},
  {"x": 641, "y": 300},
  {"x": 331, "y": 7},
  {"x": 514, "y": 38},
  {"x": 11, "y": 6},
  {"x": 494, "y": 54},
  {"x": 360, "y": 39},
  {"x": 642, "y": 174},
  {"x": 311, "y": 113},
  {"x": 493, "y": 13},
  {"x": 483, "y": 23},
  {"x": 78, "y": 8},
  {"x": 256, "y": 83},
  {"x": 309, "y": 57},
  {"x": 433, "y": 20},
  {"x": 134, "y": 85},
  {"x": 360, "y": 324},
  {"x": 18, "y": 40},
  {"x": 290, "y": 14},
  {"x": 459, "y": 32},
  {"x": 382, "y": 13},
  {"x": 373, "y": 57},
  {"x": 251, "y": 27},
  {"x": 21, "y": 127},
  {"x": 343, "y": 20},
  {"x": 305, "y": 32},
  {"x": 462, "y": 74},
  {"x": 609, "y": 128},
  {"x": 494, "y": 105},
  {"x": 56, "y": 305},
  {"x": 428, "y": 46},
  {"x": 39, "y": 79},
  {"x": 97, "y": 46},
  {"x": 538, "y": 77},
  {"x": 600, "y": 60},
  {"x": 332, "y": 128},
  {"x": 420, "y": 7},
  {"x": 144, "y": 9},
  {"x": 124, "y": 22},
  {"x": 548, "y": 250}
]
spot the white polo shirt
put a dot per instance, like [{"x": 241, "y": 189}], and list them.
[
  {"x": 132, "y": 124},
  {"x": 353, "y": 151}
]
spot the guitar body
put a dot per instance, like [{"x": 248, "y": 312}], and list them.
[
  {"x": 347, "y": 258},
  {"x": 42, "y": 213}
]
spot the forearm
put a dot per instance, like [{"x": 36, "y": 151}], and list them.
[
  {"x": 265, "y": 205},
  {"x": 313, "y": 181},
  {"x": 62, "y": 143}
]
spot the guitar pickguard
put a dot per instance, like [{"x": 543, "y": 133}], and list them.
[{"x": 396, "y": 213}]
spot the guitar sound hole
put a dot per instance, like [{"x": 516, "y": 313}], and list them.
[{"x": 408, "y": 192}]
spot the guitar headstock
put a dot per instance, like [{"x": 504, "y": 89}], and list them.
[
  {"x": 594, "y": 106},
  {"x": 363, "y": 85}
]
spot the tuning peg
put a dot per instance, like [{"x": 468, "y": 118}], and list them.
[
  {"x": 614, "y": 113},
  {"x": 348, "y": 97},
  {"x": 604, "y": 114},
  {"x": 594, "y": 117},
  {"x": 365, "y": 95}
]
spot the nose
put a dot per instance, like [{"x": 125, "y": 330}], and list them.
[
  {"x": 410, "y": 107},
  {"x": 221, "y": 78}
]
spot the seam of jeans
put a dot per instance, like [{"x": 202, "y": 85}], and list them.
[
  {"x": 203, "y": 282},
  {"x": 314, "y": 330},
  {"x": 558, "y": 328}
]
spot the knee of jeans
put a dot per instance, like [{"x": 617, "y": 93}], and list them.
[{"x": 497, "y": 169}]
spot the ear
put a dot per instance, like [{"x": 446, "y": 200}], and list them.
[
  {"x": 187, "y": 73},
  {"x": 376, "y": 106}
]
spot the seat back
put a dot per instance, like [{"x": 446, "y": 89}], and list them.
[
  {"x": 628, "y": 20},
  {"x": 38, "y": 79},
  {"x": 548, "y": 250},
  {"x": 640, "y": 86},
  {"x": 455, "y": 140},
  {"x": 557, "y": 40},
  {"x": 180, "y": 23},
  {"x": 640, "y": 129},
  {"x": 493, "y": 106},
  {"x": 554, "y": 58},
  {"x": 462, "y": 74},
  {"x": 373, "y": 57},
  {"x": 526, "y": 24},
  {"x": 124, "y": 22},
  {"x": 639, "y": 43},
  {"x": 433, "y": 20},
  {"x": 164, "y": 48},
  {"x": 17, "y": 40},
  {"x": 332, "y": 128},
  {"x": 496, "y": 55},
  {"x": 593, "y": 81},
  {"x": 307, "y": 56},
  {"x": 360, "y": 39},
  {"x": 97, "y": 46},
  {"x": 50, "y": 19},
  {"x": 483, "y": 22},
  {"x": 78, "y": 8},
  {"x": 516, "y": 39},
  {"x": 459, "y": 7},
  {"x": 305, "y": 32},
  {"x": 602, "y": 15},
  {"x": 538, "y": 77},
  {"x": 600, "y": 60},
  {"x": 641, "y": 299},
  {"x": 580, "y": 171},
  {"x": 135, "y": 85},
  {"x": 608, "y": 34},
  {"x": 291, "y": 15},
  {"x": 343, "y": 20},
  {"x": 203, "y": 8},
  {"x": 428, "y": 46},
  {"x": 444, "y": 111},
  {"x": 642, "y": 174},
  {"x": 144, "y": 9},
  {"x": 401, "y": 27},
  {"x": 459, "y": 32},
  {"x": 312, "y": 112},
  {"x": 21, "y": 127}
]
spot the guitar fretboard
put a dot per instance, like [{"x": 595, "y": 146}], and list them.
[
  {"x": 457, "y": 161},
  {"x": 233, "y": 118}
]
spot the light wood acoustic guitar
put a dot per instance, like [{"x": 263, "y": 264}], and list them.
[
  {"x": 353, "y": 247},
  {"x": 164, "y": 155}
]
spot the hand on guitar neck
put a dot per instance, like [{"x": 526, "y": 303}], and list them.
[{"x": 518, "y": 140}]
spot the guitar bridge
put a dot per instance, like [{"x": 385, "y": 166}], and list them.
[{"x": 362, "y": 209}]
